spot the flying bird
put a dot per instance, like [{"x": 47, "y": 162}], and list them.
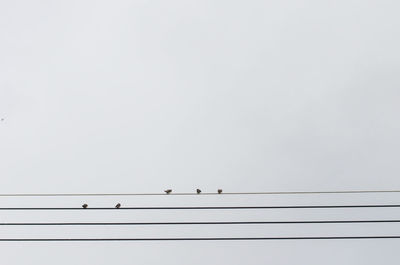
[
  {"x": 118, "y": 206},
  {"x": 219, "y": 191},
  {"x": 198, "y": 191},
  {"x": 84, "y": 206},
  {"x": 167, "y": 191}
]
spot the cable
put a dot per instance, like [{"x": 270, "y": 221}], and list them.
[
  {"x": 194, "y": 194},
  {"x": 201, "y": 207},
  {"x": 197, "y": 238},
  {"x": 201, "y": 223}
]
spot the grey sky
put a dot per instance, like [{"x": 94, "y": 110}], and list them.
[{"x": 139, "y": 96}]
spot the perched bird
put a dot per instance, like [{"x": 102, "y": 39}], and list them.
[
  {"x": 219, "y": 191},
  {"x": 198, "y": 191},
  {"x": 167, "y": 191},
  {"x": 84, "y": 206},
  {"x": 118, "y": 206}
]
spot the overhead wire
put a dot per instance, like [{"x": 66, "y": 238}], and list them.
[
  {"x": 200, "y": 207},
  {"x": 195, "y": 194},
  {"x": 199, "y": 238},
  {"x": 196, "y": 223},
  {"x": 202, "y": 222}
]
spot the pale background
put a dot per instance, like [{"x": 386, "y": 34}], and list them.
[{"x": 139, "y": 96}]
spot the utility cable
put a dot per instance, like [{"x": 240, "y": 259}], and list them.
[
  {"x": 198, "y": 223},
  {"x": 194, "y": 194},
  {"x": 199, "y": 238},
  {"x": 200, "y": 207}
]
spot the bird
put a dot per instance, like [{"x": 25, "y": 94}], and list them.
[
  {"x": 168, "y": 191},
  {"x": 219, "y": 191},
  {"x": 84, "y": 206},
  {"x": 118, "y": 206},
  {"x": 198, "y": 191}
]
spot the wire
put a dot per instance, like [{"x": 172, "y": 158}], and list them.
[
  {"x": 202, "y": 223},
  {"x": 198, "y": 238},
  {"x": 201, "y": 207},
  {"x": 194, "y": 194}
]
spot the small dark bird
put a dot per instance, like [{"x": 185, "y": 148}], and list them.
[
  {"x": 2, "y": 119},
  {"x": 118, "y": 206},
  {"x": 198, "y": 191},
  {"x": 167, "y": 191},
  {"x": 84, "y": 206},
  {"x": 219, "y": 191}
]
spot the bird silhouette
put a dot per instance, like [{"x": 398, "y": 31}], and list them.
[
  {"x": 84, "y": 206},
  {"x": 198, "y": 191},
  {"x": 118, "y": 206},
  {"x": 168, "y": 191},
  {"x": 219, "y": 191}
]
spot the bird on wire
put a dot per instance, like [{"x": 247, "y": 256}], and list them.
[
  {"x": 198, "y": 191},
  {"x": 168, "y": 191},
  {"x": 219, "y": 191},
  {"x": 84, "y": 206},
  {"x": 118, "y": 206}
]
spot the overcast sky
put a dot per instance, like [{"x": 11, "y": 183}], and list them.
[{"x": 140, "y": 96}]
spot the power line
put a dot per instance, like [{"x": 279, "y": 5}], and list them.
[
  {"x": 200, "y": 207},
  {"x": 194, "y": 194},
  {"x": 198, "y": 238},
  {"x": 198, "y": 223}
]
